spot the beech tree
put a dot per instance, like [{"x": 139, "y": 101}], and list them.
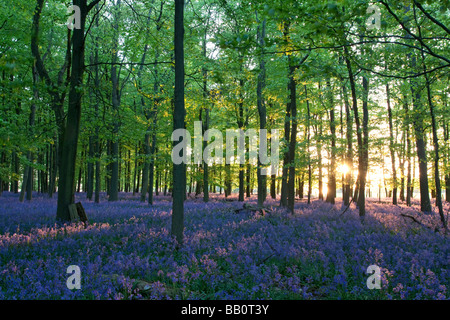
[
  {"x": 70, "y": 138},
  {"x": 361, "y": 108},
  {"x": 179, "y": 170}
]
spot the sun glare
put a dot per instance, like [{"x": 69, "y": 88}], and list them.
[{"x": 344, "y": 169}]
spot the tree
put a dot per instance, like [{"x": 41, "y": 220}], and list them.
[
  {"x": 179, "y": 170},
  {"x": 66, "y": 192},
  {"x": 262, "y": 181}
]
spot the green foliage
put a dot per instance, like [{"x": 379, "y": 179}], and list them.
[{"x": 311, "y": 34}]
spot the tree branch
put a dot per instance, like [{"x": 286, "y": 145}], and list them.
[
  {"x": 408, "y": 31},
  {"x": 416, "y": 75},
  {"x": 128, "y": 63},
  {"x": 92, "y": 5},
  {"x": 418, "y": 5}
]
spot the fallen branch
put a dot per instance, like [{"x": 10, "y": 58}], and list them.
[
  {"x": 346, "y": 208},
  {"x": 417, "y": 221},
  {"x": 248, "y": 207}
]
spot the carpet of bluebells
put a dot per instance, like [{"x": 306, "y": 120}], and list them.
[{"x": 317, "y": 253}]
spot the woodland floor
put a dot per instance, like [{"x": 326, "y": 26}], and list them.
[{"x": 126, "y": 251}]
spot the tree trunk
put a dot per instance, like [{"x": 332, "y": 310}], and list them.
[
  {"x": 319, "y": 152},
  {"x": 293, "y": 138},
  {"x": 90, "y": 169},
  {"x": 228, "y": 182},
  {"x": 152, "y": 155},
  {"x": 391, "y": 146},
  {"x": 446, "y": 157},
  {"x": 146, "y": 168},
  {"x": 349, "y": 155},
  {"x": 248, "y": 177},
  {"x": 365, "y": 150},
  {"x": 179, "y": 170},
  {"x": 437, "y": 179},
  {"x": 205, "y": 121},
  {"x": 262, "y": 181},
  {"x": 359, "y": 190},
  {"x": 284, "y": 178},
  {"x": 69, "y": 147},
  {"x": 420, "y": 135},
  {"x": 97, "y": 145},
  {"x": 57, "y": 98},
  {"x": 115, "y": 74},
  {"x": 80, "y": 171},
  {"x": 331, "y": 193},
  {"x": 27, "y": 183},
  {"x": 408, "y": 153},
  {"x": 308, "y": 137}
]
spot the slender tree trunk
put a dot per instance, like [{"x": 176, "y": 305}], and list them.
[
  {"x": 319, "y": 152},
  {"x": 437, "y": 179},
  {"x": 308, "y": 134},
  {"x": 262, "y": 181},
  {"x": 284, "y": 178},
  {"x": 408, "y": 153},
  {"x": 331, "y": 193},
  {"x": 90, "y": 169},
  {"x": 349, "y": 155},
  {"x": 2, "y": 161},
  {"x": 365, "y": 150},
  {"x": 391, "y": 146},
  {"x": 15, "y": 164},
  {"x": 26, "y": 172},
  {"x": 228, "y": 182},
  {"x": 359, "y": 190},
  {"x": 446, "y": 161},
  {"x": 80, "y": 172},
  {"x": 248, "y": 177},
  {"x": 205, "y": 122},
  {"x": 273, "y": 177},
  {"x": 179, "y": 170},
  {"x": 402, "y": 158},
  {"x": 115, "y": 74},
  {"x": 420, "y": 135},
  {"x": 146, "y": 168},
  {"x": 293, "y": 138},
  {"x": 97, "y": 145},
  {"x": 152, "y": 156},
  {"x": 158, "y": 181},
  {"x": 27, "y": 183},
  {"x": 287, "y": 129},
  {"x": 165, "y": 182}
]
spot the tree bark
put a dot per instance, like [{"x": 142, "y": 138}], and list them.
[
  {"x": 293, "y": 138},
  {"x": 359, "y": 190},
  {"x": 240, "y": 124},
  {"x": 420, "y": 135},
  {"x": 391, "y": 146},
  {"x": 262, "y": 181},
  {"x": 179, "y": 170},
  {"x": 437, "y": 179},
  {"x": 365, "y": 150},
  {"x": 115, "y": 75},
  {"x": 331, "y": 193},
  {"x": 66, "y": 194},
  {"x": 349, "y": 154},
  {"x": 308, "y": 151},
  {"x": 205, "y": 120}
]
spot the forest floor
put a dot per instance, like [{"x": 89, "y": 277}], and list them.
[{"x": 126, "y": 251}]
